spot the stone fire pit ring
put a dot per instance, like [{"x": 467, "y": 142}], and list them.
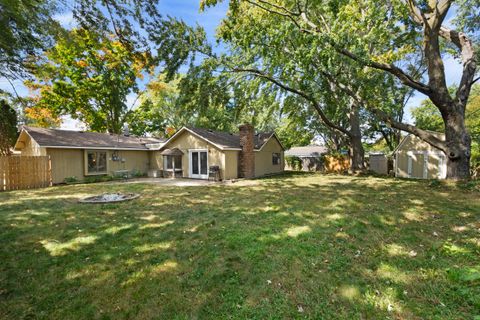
[{"x": 110, "y": 198}]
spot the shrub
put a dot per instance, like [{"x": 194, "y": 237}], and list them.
[
  {"x": 138, "y": 173},
  {"x": 294, "y": 162},
  {"x": 70, "y": 180},
  {"x": 94, "y": 179}
]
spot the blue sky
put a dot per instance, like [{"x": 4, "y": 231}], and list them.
[{"x": 188, "y": 10}]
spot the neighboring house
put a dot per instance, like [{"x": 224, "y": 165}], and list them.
[
  {"x": 82, "y": 154},
  {"x": 236, "y": 155},
  {"x": 191, "y": 152},
  {"x": 414, "y": 158},
  {"x": 310, "y": 157}
]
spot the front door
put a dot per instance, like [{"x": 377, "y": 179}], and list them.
[{"x": 199, "y": 164}]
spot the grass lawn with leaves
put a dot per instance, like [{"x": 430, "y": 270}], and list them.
[{"x": 293, "y": 246}]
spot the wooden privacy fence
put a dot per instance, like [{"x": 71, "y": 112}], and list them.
[
  {"x": 336, "y": 163},
  {"x": 25, "y": 172}
]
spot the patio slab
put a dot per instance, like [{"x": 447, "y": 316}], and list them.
[{"x": 179, "y": 182}]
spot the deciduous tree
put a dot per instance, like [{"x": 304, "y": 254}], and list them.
[
  {"x": 354, "y": 28},
  {"x": 88, "y": 76},
  {"x": 8, "y": 127}
]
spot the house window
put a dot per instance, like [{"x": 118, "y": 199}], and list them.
[
  {"x": 96, "y": 161},
  {"x": 276, "y": 158},
  {"x": 170, "y": 160}
]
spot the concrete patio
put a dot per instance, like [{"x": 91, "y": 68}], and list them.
[{"x": 178, "y": 182}]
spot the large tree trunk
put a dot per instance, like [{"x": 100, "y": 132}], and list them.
[
  {"x": 458, "y": 141},
  {"x": 357, "y": 153}
]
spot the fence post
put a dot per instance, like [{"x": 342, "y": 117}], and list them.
[{"x": 50, "y": 172}]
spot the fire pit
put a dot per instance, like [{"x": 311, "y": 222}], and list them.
[{"x": 110, "y": 197}]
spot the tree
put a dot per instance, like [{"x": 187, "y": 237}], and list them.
[
  {"x": 88, "y": 75},
  {"x": 8, "y": 128},
  {"x": 27, "y": 28},
  {"x": 406, "y": 25},
  {"x": 272, "y": 48},
  {"x": 428, "y": 117}
]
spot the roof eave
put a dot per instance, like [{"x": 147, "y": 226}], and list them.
[
  {"x": 95, "y": 148},
  {"x": 270, "y": 137},
  {"x": 223, "y": 148}
]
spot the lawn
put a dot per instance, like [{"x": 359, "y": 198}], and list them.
[{"x": 296, "y": 246}]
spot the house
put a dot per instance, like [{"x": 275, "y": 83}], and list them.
[
  {"x": 191, "y": 152},
  {"x": 81, "y": 154},
  {"x": 414, "y": 158},
  {"x": 310, "y": 158}
]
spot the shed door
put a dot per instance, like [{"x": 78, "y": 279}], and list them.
[{"x": 417, "y": 166}]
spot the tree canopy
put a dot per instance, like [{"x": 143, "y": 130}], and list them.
[
  {"x": 27, "y": 28},
  {"x": 88, "y": 75},
  {"x": 8, "y": 127},
  {"x": 406, "y": 40}
]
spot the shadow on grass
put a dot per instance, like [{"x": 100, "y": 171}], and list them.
[{"x": 331, "y": 247}]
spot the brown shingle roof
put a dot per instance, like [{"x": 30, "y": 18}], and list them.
[
  {"x": 230, "y": 140},
  {"x": 80, "y": 139}
]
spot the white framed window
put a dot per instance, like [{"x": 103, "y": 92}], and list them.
[
  {"x": 276, "y": 158},
  {"x": 169, "y": 161}
]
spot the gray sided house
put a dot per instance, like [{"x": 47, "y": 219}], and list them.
[
  {"x": 310, "y": 157},
  {"x": 414, "y": 158}
]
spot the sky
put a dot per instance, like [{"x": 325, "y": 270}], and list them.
[{"x": 188, "y": 10}]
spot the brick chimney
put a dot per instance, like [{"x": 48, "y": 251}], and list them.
[{"x": 247, "y": 155}]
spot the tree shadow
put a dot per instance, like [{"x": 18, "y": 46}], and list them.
[{"x": 333, "y": 247}]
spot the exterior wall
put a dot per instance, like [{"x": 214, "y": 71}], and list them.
[
  {"x": 72, "y": 162},
  {"x": 156, "y": 160},
  {"x": 66, "y": 163},
  {"x": 187, "y": 141},
  {"x": 30, "y": 146},
  {"x": 417, "y": 159},
  {"x": 401, "y": 163},
  {"x": 135, "y": 161},
  {"x": 231, "y": 165},
  {"x": 263, "y": 159},
  {"x": 378, "y": 163},
  {"x": 433, "y": 171}
]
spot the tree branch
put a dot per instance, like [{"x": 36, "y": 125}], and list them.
[
  {"x": 422, "y": 134},
  {"x": 298, "y": 92}
]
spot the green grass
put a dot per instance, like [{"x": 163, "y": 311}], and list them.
[{"x": 297, "y": 246}]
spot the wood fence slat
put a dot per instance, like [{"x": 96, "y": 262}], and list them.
[
  {"x": 2, "y": 174},
  {"x": 25, "y": 172}
]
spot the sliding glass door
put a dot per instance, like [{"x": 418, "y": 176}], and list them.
[{"x": 198, "y": 164}]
